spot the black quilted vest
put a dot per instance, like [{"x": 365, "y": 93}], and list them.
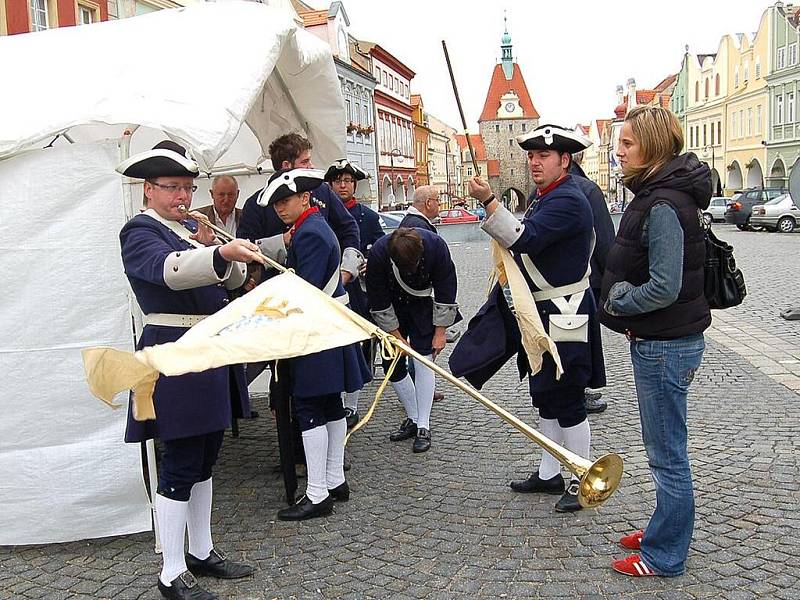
[{"x": 628, "y": 261}]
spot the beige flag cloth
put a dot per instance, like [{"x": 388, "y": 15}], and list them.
[
  {"x": 282, "y": 318},
  {"x": 534, "y": 338}
]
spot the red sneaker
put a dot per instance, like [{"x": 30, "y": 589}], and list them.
[
  {"x": 633, "y": 566},
  {"x": 632, "y": 541}
]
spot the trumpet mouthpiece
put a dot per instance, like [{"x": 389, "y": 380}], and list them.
[{"x": 182, "y": 208}]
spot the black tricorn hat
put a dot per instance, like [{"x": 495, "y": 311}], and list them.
[
  {"x": 166, "y": 159},
  {"x": 287, "y": 182},
  {"x": 345, "y": 166},
  {"x": 553, "y": 137}
]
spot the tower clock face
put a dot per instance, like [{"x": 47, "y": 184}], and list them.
[{"x": 510, "y": 106}]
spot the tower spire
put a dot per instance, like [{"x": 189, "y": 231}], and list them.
[{"x": 507, "y": 59}]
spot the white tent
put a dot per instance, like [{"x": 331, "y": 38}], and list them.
[{"x": 223, "y": 79}]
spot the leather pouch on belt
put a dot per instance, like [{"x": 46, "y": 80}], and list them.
[{"x": 569, "y": 328}]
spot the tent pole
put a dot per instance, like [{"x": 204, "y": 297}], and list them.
[{"x": 152, "y": 468}]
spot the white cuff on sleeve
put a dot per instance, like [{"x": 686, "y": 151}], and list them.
[
  {"x": 237, "y": 277},
  {"x": 503, "y": 226},
  {"x": 352, "y": 260},
  {"x": 273, "y": 247},
  {"x": 386, "y": 319},
  {"x": 186, "y": 269},
  {"x": 444, "y": 315}
]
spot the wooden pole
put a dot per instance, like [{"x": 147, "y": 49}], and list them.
[{"x": 460, "y": 109}]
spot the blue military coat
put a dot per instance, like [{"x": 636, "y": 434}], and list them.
[
  {"x": 415, "y": 314},
  {"x": 370, "y": 231},
  {"x": 414, "y": 220},
  {"x": 185, "y": 405},
  {"x": 314, "y": 255},
  {"x": 557, "y": 237}
]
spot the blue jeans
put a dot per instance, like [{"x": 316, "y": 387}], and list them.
[{"x": 663, "y": 370}]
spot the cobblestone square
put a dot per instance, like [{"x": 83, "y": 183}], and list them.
[{"x": 445, "y": 524}]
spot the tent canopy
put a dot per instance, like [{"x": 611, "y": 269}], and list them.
[{"x": 195, "y": 73}]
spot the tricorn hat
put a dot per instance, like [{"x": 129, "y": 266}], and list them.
[
  {"x": 343, "y": 166},
  {"x": 166, "y": 159},
  {"x": 553, "y": 137},
  {"x": 287, "y": 182}
]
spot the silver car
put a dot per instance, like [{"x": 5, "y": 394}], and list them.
[
  {"x": 716, "y": 210},
  {"x": 779, "y": 214}
]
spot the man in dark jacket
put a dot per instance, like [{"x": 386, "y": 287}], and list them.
[
  {"x": 604, "y": 239},
  {"x": 424, "y": 209}
]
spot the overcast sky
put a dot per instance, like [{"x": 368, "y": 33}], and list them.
[{"x": 572, "y": 54}]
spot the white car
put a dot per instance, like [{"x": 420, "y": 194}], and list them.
[
  {"x": 716, "y": 210},
  {"x": 779, "y": 214}
]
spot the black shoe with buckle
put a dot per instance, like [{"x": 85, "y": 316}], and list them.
[
  {"x": 593, "y": 402},
  {"x": 217, "y": 565},
  {"x": 306, "y": 509},
  {"x": 408, "y": 429},
  {"x": 184, "y": 587},
  {"x": 422, "y": 443},
  {"x": 569, "y": 501},
  {"x": 341, "y": 493},
  {"x": 533, "y": 484},
  {"x": 351, "y": 417}
]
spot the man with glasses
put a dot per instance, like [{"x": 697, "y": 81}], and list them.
[
  {"x": 424, "y": 209},
  {"x": 343, "y": 176},
  {"x": 179, "y": 278}
]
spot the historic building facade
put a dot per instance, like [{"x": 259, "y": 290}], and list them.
[
  {"x": 508, "y": 112},
  {"x": 26, "y": 16},
  {"x": 783, "y": 81},
  {"x": 421, "y": 138},
  {"x": 358, "y": 87},
  {"x": 443, "y": 159}
]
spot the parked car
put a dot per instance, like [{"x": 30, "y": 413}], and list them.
[
  {"x": 457, "y": 215},
  {"x": 741, "y": 205},
  {"x": 390, "y": 220},
  {"x": 716, "y": 210},
  {"x": 779, "y": 214}
]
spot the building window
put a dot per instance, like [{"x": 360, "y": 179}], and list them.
[
  {"x": 779, "y": 110},
  {"x": 383, "y": 78},
  {"x": 377, "y": 74},
  {"x": 747, "y": 70},
  {"x": 511, "y": 143},
  {"x": 758, "y": 68},
  {"x": 793, "y": 54},
  {"x": 691, "y": 137},
  {"x": 511, "y": 127},
  {"x": 696, "y": 91},
  {"x": 758, "y": 120},
  {"x": 789, "y": 109},
  {"x": 497, "y": 128},
  {"x": 734, "y": 131},
  {"x": 719, "y": 132},
  {"x": 705, "y": 138},
  {"x": 469, "y": 171},
  {"x": 712, "y": 134},
  {"x": 348, "y": 111},
  {"x": 512, "y": 172},
  {"x": 736, "y": 77},
  {"x": 523, "y": 127},
  {"x": 706, "y": 88},
  {"x": 716, "y": 85},
  {"x": 38, "y": 15},
  {"x": 86, "y": 15},
  {"x": 781, "y": 58}
]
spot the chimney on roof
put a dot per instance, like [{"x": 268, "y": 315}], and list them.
[
  {"x": 619, "y": 95},
  {"x": 631, "y": 93}
]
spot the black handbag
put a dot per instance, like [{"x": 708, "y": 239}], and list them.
[{"x": 724, "y": 283}]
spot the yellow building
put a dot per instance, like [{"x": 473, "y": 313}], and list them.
[
  {"x": 746, "y": 108},
  {"x": 706, "y": 91}
]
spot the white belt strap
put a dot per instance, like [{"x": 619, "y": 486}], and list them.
[
  {"x": 171, "y": 320},
  {"x": 407, "y": 288},
  {"x": 331, "y": 286},
  {"x": 175, "y": 227}
]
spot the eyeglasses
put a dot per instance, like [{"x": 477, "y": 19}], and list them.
[
  {"x": 171, "y": 188},
  {"x": 344, "y": 180},
  {"x": 435, "y": 199}
]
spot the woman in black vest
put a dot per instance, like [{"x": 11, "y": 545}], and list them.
[{"x": 653, "y": 293}]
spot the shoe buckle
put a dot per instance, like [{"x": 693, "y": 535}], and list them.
[
  {"x": 220, "y": 554},
  {"x": 573, "y": 488},
  {"x": 188, "y": 579}
]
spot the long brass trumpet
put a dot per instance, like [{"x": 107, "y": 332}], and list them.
[{"x": 598, "y": 479}]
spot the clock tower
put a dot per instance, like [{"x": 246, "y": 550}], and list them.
[{"x": 507, "y": 112}]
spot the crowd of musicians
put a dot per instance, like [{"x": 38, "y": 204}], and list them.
[{"x": 647, "y": 283}]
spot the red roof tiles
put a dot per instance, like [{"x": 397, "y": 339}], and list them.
[
  {"x": 477, "y": 144},
  {"x": 314, "y": 17},
  {"x": 499, "y": 86}
]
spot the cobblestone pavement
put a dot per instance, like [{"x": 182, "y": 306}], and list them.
[{"x": 445, "y": 525}]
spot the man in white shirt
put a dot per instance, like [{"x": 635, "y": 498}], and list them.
[{"x": 223, "y": 213}]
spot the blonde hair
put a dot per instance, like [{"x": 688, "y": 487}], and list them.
[{"x": 660, "y": 138}]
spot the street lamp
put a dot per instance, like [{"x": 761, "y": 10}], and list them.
[{"x": 395, "y": 153}]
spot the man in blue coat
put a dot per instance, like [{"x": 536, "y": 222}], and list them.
[
  {"x": 411, "y": 284},
  {"x": 317, "y": 379},
  {"x": 553, "y": 245},
  {"x": 178, "y": 279},
  {"x": 424, "y": 209},
  {"x": 343, "y": 176}
]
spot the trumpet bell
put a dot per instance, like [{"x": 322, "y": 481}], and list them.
[{"x": 600, "y": 480}]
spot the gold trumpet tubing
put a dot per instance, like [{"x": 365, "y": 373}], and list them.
[{"x": 575, "y": 463}]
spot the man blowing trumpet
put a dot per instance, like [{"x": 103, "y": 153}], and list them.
[
  {"x": 552, "y": 246},
  {"x": 179, "y": 278}
]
